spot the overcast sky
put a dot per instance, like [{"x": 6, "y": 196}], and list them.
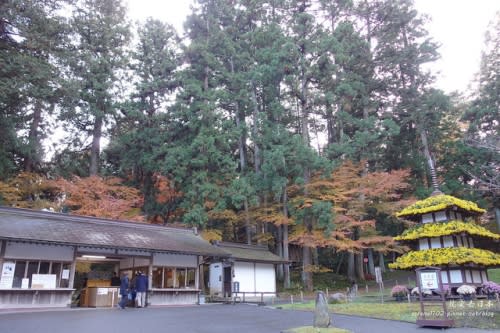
[{"x": 457, "y": 25}]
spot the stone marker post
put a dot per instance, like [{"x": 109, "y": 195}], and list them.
[{"x": 321, "y": 314}]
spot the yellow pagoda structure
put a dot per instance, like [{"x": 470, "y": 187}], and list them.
[{"x": 447, "y": 236}]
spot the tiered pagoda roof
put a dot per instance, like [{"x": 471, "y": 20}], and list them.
[
  {"x": 446, "y": 229},
  {"x": 450, "y": 256},
  {"x": 445, "y": 256},
  {"x": 440, "y": 202}
]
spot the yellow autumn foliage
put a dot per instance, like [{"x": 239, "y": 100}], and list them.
[
  {"x": 446, "y": 256},
  {"x": 437, "y": 203},
  {"x": 439, "y": 229}
]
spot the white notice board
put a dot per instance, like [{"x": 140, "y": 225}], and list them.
[
  {"x": 43, "y": 281},
  {"x": 429, "y": 280}
]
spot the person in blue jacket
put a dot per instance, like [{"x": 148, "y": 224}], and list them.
[
  {"x": 141, "y": 287},
  {"x": 123, "y": 290}
]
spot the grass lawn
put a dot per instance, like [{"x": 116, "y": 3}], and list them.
[
  {"x": 480, "y": 314},
  {"x": 494, "y": 275}
]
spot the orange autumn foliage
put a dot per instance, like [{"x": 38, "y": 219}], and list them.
[
  {"x": 351, "y": 193},
  {"x": 100, "y": 197}
]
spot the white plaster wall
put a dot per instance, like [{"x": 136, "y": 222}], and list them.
[
  {"x": 468, "y": 276},
  {"x": 423, "y": 244},
  {"x": 444, "y": 276},
  {"x": 426, "y": 218},
  {"x": 435, "y": 243},
  {"x": 244, "y": 273},
  {"x": 456, "y": 276},
  {"x": 265, "y": 278},
  {"x": 483, "y": 275},
  {"x": 448, "y": 241},
  {"x": 215, "y": 278},
  {"x": 440, "y": 216},
  {"x": 476, "y": 276},
  {"x": 174, "y": 260},
  {"x": 14, "y": 250}
]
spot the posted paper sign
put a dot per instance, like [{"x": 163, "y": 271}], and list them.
[
  {"x": 65, "y": 274},
  {"x": 429, "y": 280},
  {"x": 7, "y": 275},
  {"x": 102, "y": 291}
]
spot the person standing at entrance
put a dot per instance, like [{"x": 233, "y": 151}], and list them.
[
  {"x": 123, "y": 290},
  {"x": 141, "y": 287},
  {"x": 115, "y": 280}
]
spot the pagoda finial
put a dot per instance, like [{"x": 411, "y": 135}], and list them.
[{"x": 435, "y": 184}]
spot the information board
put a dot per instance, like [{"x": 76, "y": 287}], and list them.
[
  {"x": 43, "y": 281},
  {"x": 429, "y": 280}
]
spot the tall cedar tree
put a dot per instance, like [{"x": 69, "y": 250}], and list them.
[
  {"x": 32, "y": 39},
  {"x": 144, "y": 125},
  {"x": 101, "y": 33}
]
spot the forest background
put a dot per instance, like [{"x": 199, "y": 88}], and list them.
[{"x": 302, "y": 125}]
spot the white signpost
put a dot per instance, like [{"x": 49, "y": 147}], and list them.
[
  {"x": 378, "y": 279},
  {"x": 430, "y": 278}
]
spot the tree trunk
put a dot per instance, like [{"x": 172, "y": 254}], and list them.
[
  {"x": 360, "y": 272},
  {"x": 381, "y": 262},
  {"x": 371, "y": 263},
  {"x": 286, "y": 256},
  {"x": 279, "y": 247},
  {"x": 255, "y": 130},
  {"x": 497, "y": 217},
  {"x": 351, "y": 275},
  {"x": 96, "y": 146},
  {"x": 341, "y": 261},
  {"x": 306, "y": 266},
  {"x": 33, "y": 158}
]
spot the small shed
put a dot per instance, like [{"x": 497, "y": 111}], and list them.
[{"x": 250, "y": 271}]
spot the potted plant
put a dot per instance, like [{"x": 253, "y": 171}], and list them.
[
  {"x": 399, "y": 292},
  {"x": 466, "y": 291},
  {"x": 491, "y": 289},
  {"x": 416, "y": 292}
]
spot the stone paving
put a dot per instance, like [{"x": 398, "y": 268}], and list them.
[{"x": 210, "y": 318}]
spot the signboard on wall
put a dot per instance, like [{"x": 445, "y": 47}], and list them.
[
  {"x": 43, "y": 281},
  {"x": 7, "y": 275}
]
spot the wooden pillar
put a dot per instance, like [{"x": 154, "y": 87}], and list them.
[
  {"x": 72, "y": 270},
  {"x": 150, "y": 273}
]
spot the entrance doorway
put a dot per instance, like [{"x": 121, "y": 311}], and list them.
[
  {"x": 92, "y": 272},
  {"x": 227, "y": 292}
]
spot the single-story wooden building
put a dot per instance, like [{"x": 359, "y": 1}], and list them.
[
  {"x": 249, "y": 272},
  {"x": 40, "y": 252}
]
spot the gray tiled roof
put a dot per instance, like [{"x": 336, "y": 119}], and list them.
[
  {"x": 254, "y": 253},
  {"x": 29, "y": 225}
]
